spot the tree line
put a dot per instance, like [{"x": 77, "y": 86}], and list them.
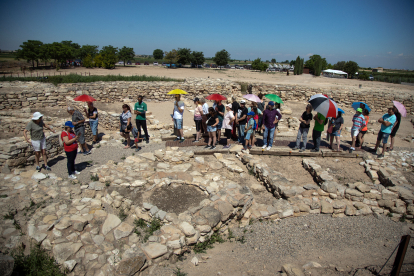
[{"x": 186, "y": 56}]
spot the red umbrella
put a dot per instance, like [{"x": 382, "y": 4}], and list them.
[
  {"x": 84, "y": 98},
  {"x": 216, "y": 97}
]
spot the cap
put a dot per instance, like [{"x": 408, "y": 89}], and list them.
[
  {"x": 37, "y": 116},
  {"x": 271, "y": 103},
  {"x": 359, "y": 110},
  {"x": 196, "y": 99},
  {"x": 69, "y": 124},
  {"x": 229, "y": 105},
  {"x": 251, "y": 113},
  {"x": 242, "y": 101}
]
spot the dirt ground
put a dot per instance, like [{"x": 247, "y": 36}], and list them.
[{"x": 344, "y": 170}]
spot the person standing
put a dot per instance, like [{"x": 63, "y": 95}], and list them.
[
  {"x": 79, "y": 127},
  {"x": 261, "y": 107},
  {"x": 360, "y": 140},
  {"x": 228, "y": 123},
  {"x": 270, "y": 118},
  {"x": 125, "y": 125},
  {"x": 337, "y": 124},
  {"x": 140, "y": 109},
  {"x": 317, "y": 131},
  {"x": 70, "y": 145},
  {"x": 387, "y": 121},
  {"x": 220, "y": 109},
  {"x": 241, "y": 120},
  {"x": 249, "y": 131},
  {"x": 204, "y": 116},
  {"x": 92, "y": 115},
  {"x": 358, "y": 123},
  {"x": 212, "y": 122},
  {"x": 35, "y": 127},
  {"x": 304, "y": 126},
  {"x": 178, "y": 114},
  {"x": 235, "y": 107},
  {"x": 198, "y": 112},
  {"x": 395, "y": 127}
]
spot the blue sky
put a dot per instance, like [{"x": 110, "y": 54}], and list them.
[{"x": 372, "y": 33}]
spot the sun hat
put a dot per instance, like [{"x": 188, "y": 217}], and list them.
[
  {"x": 251, "y": 113},
  {"x": 242, "y": 101},
  {"x": 37, "y": 116},
  {"x": 359, "y": 110},
  {"x": 69, "y": 124},
  {"x": 271, "y": 103},
  {"x": 229, "y": 105}
]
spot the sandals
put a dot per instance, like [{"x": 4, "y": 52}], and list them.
[{"x": 127, "y": 147}]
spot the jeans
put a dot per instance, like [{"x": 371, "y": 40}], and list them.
[
  {"x": 302, "y": 133},
  {"x": 71, "y": 155},
  {"x": 241, "y": 133},
  {"x": 316, "y": 137},
  {"x": 142, "y": 123},
  {"x": 271, "y": 133}
]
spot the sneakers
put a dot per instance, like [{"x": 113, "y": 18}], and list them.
[
  {"x": 182, "y": 140},
  {"x": 76, "y": 172},
  {"x": 380, "y": 155},
  {"x": 227, "y": 147},
  {"x": 301, "y": 150},
  {"x": 147, "y": 141},
  {"x": 314, "y": 150},
  {"x": 72, "y": 176},
  {"x": 196, "y": 141},
  {"x": 176, "y": 139},
  {"x": 38, "y": 168},
  {"x": 138, "y": 149},
  {"x": 213, "y": 147},
  {"x": 48, "y": 168},
  {"x": 87, "y": 152},
  {"x": 264, "y": 146},
  {"x": 295, "y": 148},
  {"x": 268, "y": 148},
  {"x": 351, "y": 149},
  {"x": 207, "y": 147}
]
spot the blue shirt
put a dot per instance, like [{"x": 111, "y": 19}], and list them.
[
  {"x": 387, "y": 118},
  {"x": 250, "y": 124}
]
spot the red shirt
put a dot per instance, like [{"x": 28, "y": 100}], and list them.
[{"x": 71, "y": 147}]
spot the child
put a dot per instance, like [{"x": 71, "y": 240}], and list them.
[
  {"x": 256, "y": 119},
  {"x": 305, "y": 120},
  {"x": 135, "y": 133},
  {"x": 358, "y": 123},
  {"x": 212, "y": 122},
  {"x": 364, "y": 130},
  {"x": 249, "y": 130}
]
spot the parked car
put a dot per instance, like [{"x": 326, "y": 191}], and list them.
[
  {"x": 227, "y": 66},
  {"x": 146, "y": 63},
  {"x": 137, "y": 63},
  {"x": 120, "y": 62},
  {"x": 371, "y": 77},
  {"x": 170, "y": 65},
  {"x": 163, "y": 64},
  {"x": 213, "y": 65},
  {"x": 206, "y": 65},
  {"x": 155, "y": 63}
]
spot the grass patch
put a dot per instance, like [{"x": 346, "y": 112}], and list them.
[
  {"x": 208, "y": 244},
  {"x": 95, "y": 177},
  {"x": 230, "y": 236},
  {"x": 148, "y": 229},
  {"x": 98, "y": 146},
  {"x": 90, "y": 162},
  {"x": 107, "y": 183},
  {"x": 122, "y": 215},
  {"x": 3, "y": 196},
  {"x": 403, "y": 218},
  {"x": 251, "y": 171},
  {"x": 123, "y": 157},
  {"x": 9, "y": 215},
  {"x": 178, "y": 272},
  {"x": 37, "y": 263},
  {"x": 389, "y": 215},
  {"x": 74, "y": 78}
]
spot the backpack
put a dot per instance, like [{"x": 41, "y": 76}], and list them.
[{"x": 255, "y": 124}]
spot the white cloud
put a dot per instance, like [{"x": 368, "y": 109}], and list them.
[
  {"x": 400, "y": 55},
  {"x": 389, "y": 52}
]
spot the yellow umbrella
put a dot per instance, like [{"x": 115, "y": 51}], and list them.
[{"x": 177, "y": 91}]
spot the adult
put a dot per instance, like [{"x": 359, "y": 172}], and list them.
[
  {"x": 220, "y": 109},
  {"x": 140, "y": 109},
  {"x": 92, "y": 115},
  {"x": 361, "y": 135},
  {"x": 317, "y": 131},
  {"x": 358, "y": 122},
  {"x": 79, "y": 127},
  {"x": 270, "y": 119},
  {"x": 261, "y": 107},
  {"x": 35, "y": 127},
  {"x": 212, "y": 122},
  {"x": 304, "y": 126},
  {"x": 228, "y": 120},
  {"x": 336, "y": 125},
  {"x": 125, "y": 125},
  {"x": 178, "y": 113},
  {"x": 387, "y": 121},
  {"x": 277, "y": 107},
  {"x": 395, "y": 127},
  {"x": 204, "y": 116},
  {"x": 70, "y": 144},
  {"x": 198, "y": 113},
  {"x": 241, "y": 120},
  {"x": 235, "y": 107}
]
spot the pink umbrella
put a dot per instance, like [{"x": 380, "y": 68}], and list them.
[
  {"x": 401, "y": 108},
  {"x": 252, "y": 98}
]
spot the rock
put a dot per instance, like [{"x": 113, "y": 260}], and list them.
[
  {"x": 110, "y": 223},
  {"x": 236, "y": 148},
  {"x": 311, "y": 187},
  {"x": 154, "y": 250},
  {"x": 123, "y": 230},
  {"x": 353, "y": 192},
  {"x": 226, "y": 209},
  {"x": 215, "y": 165},
  {"x": 148, "y": 155},
  {"x": 64, "y": 223},
  {"x": 292, "y": 270},
  {"x": 199, "y": 159},
  {"x": 194, "y": 261},
  {"x": 326, "y": 207},
  {"x": 96, "y": 185},
  {"x": 212, "y": 215},
  {"x": 69, "y": 265},
  {"x": 6, "y": 265},
  {"x": 350, "y": 210},
  {"x": 187, "y": 229},
  {"x": 284, "y": 209},
  {"x": 362, "y": 187},
  {"x": 311, "y": 265},
  {"x": 386, "y": 194},
  {"x": 218, "y": 156},
  {"x": 131, "y": 266},
  {"x": 63, "y": 251},
  {"x": 38, "y": 176},
  {"x": 79, "y": 225},
  {"x": 329, "y": 186}
]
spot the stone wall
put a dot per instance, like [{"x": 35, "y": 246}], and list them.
[{"x": 15, "y": 95}]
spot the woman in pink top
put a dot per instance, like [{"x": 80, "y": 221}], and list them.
[
  {"x": 228, "y": 124},
  {"x": 198, "y": 112}
]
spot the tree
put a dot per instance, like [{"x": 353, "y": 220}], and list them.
[
  {"x": 317, "y": 66},
  {"x": 310, "y": 63},
  {"x": 296, "y": 70},
  {"x": 257, "y": 64},
  {"x": 109, "y": 56},
  {"x": 222, "y": 58},
  {"x": 158, "y": 54},
  {"x": 184, "y": 56},
  {"x": 85, "y": 50},
  {"x": 351, "y": 67},
  {"x": 329, "y": 66},
  {"x": 302, "y": 60},
  {"x": 88, "y": 61},
  {"x": 44, "y": 54},
  {"x": 75, "y": 49},
  {"x": 339, "y": 65},
  {"x": 171, "y": 57},
  {"x": 126, "y": 54},
  {"x": 60, "y": 53},
  {"x": 197, "y": 58},
  {"x": 292, "y": 62},
  {"x": 273, "y": 60},
  {"x": 363, "y": 75},
  {"x": 30, "y": 51},
  {"x": 97, "y": 61}
]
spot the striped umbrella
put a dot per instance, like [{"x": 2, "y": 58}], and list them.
[{"x": 324, "y": 105}]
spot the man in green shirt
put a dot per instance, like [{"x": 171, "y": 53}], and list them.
[
  {"x": 140, "y": 109},
  {"x": 317, "y": 131}
]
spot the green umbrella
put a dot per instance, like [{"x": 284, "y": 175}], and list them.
[{"x": 274, "y": 98}]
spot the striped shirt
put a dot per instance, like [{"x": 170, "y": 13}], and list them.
[{"x": 358, "y": 121}]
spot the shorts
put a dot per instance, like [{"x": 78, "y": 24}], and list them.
[
  {"x": 248, "y": 135},
  {"x": 198, "y": 125},
  {"x": 211, "y": 129},
  {"x": 394, "y": 131},
  {"x": 94, "y": 126},
  {"x": 227, "y": 133},
  {"x": 383, "y": 136},
  {"x": 336, "y": 133},
  {"x": 81, "y": 132},
  {"x": 178, "y": 123},
  {"x": 354, "y": 132},
  {"x": 125, "y": 127},
  {"x": 38, "y": 145},
  {"x": 220, "y": 125},
  {"x": 363, "y": 133}
]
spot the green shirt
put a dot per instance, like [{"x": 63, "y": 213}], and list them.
[
  {"x": 140, "y": 107},
  {"x": 36, "y": 130},
  {"x": 318, "y": 126}
]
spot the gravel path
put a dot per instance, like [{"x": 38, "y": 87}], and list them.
[{"x": 347, "y": 243}]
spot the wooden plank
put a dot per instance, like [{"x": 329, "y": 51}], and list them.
[
  {"x": 172, "y": 137},
  {"x": 399, "y": 258},
  {"x": 211, "y": 152},
  {"x": 342, "y": 154}
]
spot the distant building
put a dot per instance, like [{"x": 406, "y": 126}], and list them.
[{"x": 378, "y": 69}]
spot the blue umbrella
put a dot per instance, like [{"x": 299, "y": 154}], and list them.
[
  {"x": 356, "y": 105},
  {"x": 340, "y": 110}
]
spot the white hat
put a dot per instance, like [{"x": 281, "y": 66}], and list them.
[
  {"x": 242, "y": 101},
  {"x": 37, "y": 116}
]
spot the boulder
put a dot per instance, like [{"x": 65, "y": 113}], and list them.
[
  {"x": 292, "y": 270},
  {"x": 131, "y": 266},
  {"x": 6, "y": 265},
  {"x": 154, "y": 250},
  {"x": 212, "y": 215},
  {"x": 110, "y": 223}
]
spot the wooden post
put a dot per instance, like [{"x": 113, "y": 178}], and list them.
[{"x": 399, "y": 258}]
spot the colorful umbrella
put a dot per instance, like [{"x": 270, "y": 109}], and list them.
[
  {"x": 216, "y": 97},
  {"x": 274, "y": 98},
  {"x": 357, "y": 105},
  {"x": 177, "y": 91},
  {"x": 324, "y": 105},
  {"x": 252, "y": 97},
  {"x": 340, "y": 110},
  {"x": 401, "y": 108},
  {"x": 84, "y": 98}
]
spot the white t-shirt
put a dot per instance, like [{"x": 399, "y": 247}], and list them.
[
  {"x": 125, "y": 117},
  {"x": 177, "y": 114},
  {"x": 205, "y": 108},
  {"x": 226, "y": 121}
]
